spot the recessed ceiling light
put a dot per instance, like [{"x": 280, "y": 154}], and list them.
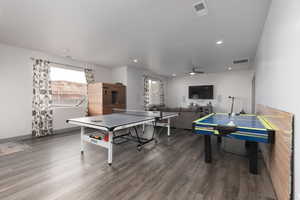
[
  {"x": 219, "y": 42},
  {"x": 229, "y": 68},
  {"x": 173, "y": 75},
  {"x": 192, "y": 73},
  {"x": 135, "y": 60}
]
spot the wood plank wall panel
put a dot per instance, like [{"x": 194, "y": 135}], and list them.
[
  {"x": 95, "y": 99},
  {"x": 278, "y": 156}
]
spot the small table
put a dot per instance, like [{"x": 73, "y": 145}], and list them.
[{"x": 249, "y": 127}]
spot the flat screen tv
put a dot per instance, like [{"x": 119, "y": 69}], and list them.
[{"x": 201, "y": 92}]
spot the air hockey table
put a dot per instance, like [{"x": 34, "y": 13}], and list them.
[{"x": 253, "y": 129}]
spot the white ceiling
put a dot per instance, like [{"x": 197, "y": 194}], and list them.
[{"x": 166, "y": 36}]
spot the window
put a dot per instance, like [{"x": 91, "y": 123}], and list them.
[
  {"x": 155, "y": 92},
  {"x": 69, "y": 87}
]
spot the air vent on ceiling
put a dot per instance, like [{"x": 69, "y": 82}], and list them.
[
  {"x": 201, "y": 8},
  {"x": 245, "y": 60}
]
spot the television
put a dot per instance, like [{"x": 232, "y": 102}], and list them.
[{"x": 201, "y": 92}]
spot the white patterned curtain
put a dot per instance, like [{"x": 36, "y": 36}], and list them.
[
  {"x": 153, "y": 92},
  {"x": 89, "y": 75},
  {"x": 161, "y": 93},
  {"x": 146, "y": 92},
  {"x": 42, "y": 113}
]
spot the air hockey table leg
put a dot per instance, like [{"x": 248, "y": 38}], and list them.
[
  {"x": 219, "y": 140},
  {"x": 207, "y": 148},
  {"x": 253, "y": 151}
]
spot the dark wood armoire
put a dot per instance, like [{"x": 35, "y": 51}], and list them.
[{"x": 103, "y": 97}]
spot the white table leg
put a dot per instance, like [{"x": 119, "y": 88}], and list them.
[
  {"x": 110, "y": 147},
  {"x": 82, "y": 131},
  {"x": 169, "y": 126}
]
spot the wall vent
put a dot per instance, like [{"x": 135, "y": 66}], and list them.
[
  {"x": 240, "y": 61},
  {"x": 201, "y": 8}
]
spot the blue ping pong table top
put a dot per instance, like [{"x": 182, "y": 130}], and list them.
[
  {"x": 251, "y": 121},
  {"x": 249, "y": 127}
]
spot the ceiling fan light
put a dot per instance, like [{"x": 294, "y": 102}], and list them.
[{"x": 219, "y": 42}]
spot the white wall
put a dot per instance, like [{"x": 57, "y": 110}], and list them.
[
  {"x": 102, "y": 74},
  {"x": 278, "y": 66},
  {"x": 233, "y": 83},
  {"x": 119, "y": 74},
  {"x": 16, "y": 90},
  {"x": 60, "y": 115},
  {"x": 135, "y": 88}
]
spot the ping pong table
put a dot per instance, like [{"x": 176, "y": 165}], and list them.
[
  {"x": 121, "y": 120},
  {"x": 251, "y": 128}
]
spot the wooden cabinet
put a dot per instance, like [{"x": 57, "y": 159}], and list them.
[{"x": 103, "y": 97}]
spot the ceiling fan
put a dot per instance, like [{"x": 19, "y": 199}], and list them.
[{"x": 196, "y": 70}]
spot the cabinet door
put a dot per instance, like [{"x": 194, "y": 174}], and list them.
[
  {"x": 106, "y": 96},
  {"x": 122, "y": 95}
]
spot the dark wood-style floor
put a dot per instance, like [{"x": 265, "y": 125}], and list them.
[{"x": 173, "y": 169}]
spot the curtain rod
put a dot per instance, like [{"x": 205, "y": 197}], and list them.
[
  {"x": 156, "y": 77},
  {"x": 56, "y": 63}
]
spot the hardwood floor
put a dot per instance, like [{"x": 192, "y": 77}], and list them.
[{"x": 174, "y": 169}]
